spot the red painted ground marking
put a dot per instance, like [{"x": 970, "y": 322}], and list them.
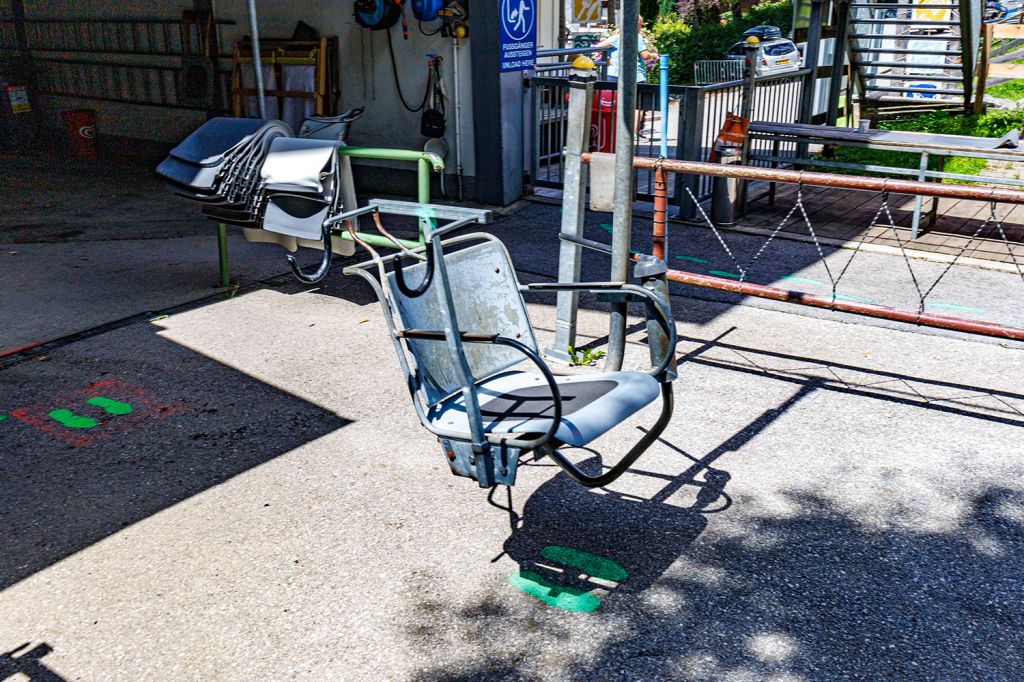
[
  {"x": 146, "y": 406},
  {"x": 115, "y": 388}
]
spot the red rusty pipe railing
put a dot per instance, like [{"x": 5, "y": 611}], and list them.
[
  {"x": 660, "y": 212},
  {"x": 660, "y": 167},
  {"x": 895, "y": 186},
  {"x": 866, "y": 309}
]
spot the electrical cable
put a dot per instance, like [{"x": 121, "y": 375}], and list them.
[{"x": 398, "y": 85}]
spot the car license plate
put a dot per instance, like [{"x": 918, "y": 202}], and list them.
[{"x": 782, "y": 61}]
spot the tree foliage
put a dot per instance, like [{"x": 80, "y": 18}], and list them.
[{"x": 686, "y": 43}]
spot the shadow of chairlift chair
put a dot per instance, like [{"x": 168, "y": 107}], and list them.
[{"x": 462, "y": 330}]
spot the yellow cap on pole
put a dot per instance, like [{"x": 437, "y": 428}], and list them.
[{"x": 583, "y": 62}]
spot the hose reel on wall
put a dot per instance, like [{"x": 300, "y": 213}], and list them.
[
  {"x": 427, "y": 10},
  {"x": 378, "y": 15}
]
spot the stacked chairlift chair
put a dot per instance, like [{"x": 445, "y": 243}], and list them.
[{"x": 257, "y": 175}]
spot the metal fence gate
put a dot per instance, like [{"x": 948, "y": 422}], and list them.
[{"x": 696, "y": 115}]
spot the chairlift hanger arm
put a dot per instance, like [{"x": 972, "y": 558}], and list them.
[
  {"x": 665, "y": 318},
  {"x": 325, "y": 261},
  {"x": 627, "y": 461}
]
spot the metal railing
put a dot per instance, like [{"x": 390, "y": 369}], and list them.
[
  {"x": 710, "y": 71},
  {"x": 697, "y": 114},
  {"x": 557, "y": 68},
  {"x": 549, "y": 104},
  {"x": 837, "y": 302}
]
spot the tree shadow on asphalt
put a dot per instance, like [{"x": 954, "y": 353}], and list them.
[
  {"x": 810, "y": 596},
  {"x": 191, "y": 424}
]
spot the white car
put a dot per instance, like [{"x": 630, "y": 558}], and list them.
[{"x": 773, "y": 56}]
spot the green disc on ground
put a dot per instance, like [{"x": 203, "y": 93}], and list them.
[
  {"x": 590, "y": 564},
  {"x": 110, "y": 406},
  {"x": 71, "y": 420},
  {"x": 556, "y": 596}
]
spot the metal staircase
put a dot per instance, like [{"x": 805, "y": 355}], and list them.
[{"x": 913, "y": 54}]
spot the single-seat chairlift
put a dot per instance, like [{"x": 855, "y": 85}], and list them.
[{"x": 462, "y": 333}]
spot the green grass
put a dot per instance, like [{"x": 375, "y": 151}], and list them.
[{"x": 1009, "y": 90}]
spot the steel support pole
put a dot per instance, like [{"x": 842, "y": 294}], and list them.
[
  {"x": 689, "y": 147},
  {"x": 222, "y": 253},
  {"x": 623, "y": 200},
  {"x": 663, "y": 101},
  {"x": 257, "y": 60},
  {"x": 577, "y": 141},
  {"x": 835, "y": 84},
  {"x": 752, "y": 48},
  {"x": 811, "y": 57}
]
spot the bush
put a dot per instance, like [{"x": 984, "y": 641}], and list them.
[
  {"x": 773, "y": 13},
  {"x": 685, "y": 44}
]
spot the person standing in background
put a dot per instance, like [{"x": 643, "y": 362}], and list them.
[
  {"x": 644, "y": 54},
  {"x": 643, "y": 57}
]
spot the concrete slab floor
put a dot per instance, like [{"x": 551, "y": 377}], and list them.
[
  {"x": 241, "y": 491},
  {"x": 87, "y": 241},
  {"x": 831, "y": 501}
]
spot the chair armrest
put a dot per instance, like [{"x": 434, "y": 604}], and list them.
[
  {"x": 471, "y": 337},
  {"x": 663, "y": 311}
]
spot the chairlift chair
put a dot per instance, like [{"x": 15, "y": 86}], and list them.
[{"x": 462, "y": 332}]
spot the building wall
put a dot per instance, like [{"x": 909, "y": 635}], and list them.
[{"x": 365, "y": 70}]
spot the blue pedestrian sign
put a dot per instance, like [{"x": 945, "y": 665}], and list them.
[{"x": 518, "y": 35}]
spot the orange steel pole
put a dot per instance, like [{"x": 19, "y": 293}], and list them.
[
  {"x": 660, "y": 212},
  {"x": 866, "y": 309}
]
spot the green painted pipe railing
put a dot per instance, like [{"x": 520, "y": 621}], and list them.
[{"x": 425, "y": 162}]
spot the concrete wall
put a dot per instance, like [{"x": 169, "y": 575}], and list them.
[
  {"x": 365, "y": 70},
  {"x": 366, "y": 74}
]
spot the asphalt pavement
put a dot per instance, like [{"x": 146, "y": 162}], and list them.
[{"x": 240, "y": 490}]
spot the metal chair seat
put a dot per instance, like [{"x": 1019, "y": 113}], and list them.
[{"x": 521, "y": 402}]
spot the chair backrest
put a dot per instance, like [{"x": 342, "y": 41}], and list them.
[{"x": 487, "y": 301}]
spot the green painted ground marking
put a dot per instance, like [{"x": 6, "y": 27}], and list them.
[
  {"x": 590, "y": 564},
  {"x": 692, "y": 259},
  {"x": 954, "y": 306},
  {"x": 71, "y": 420},
  {"x": 555, "y": 596},
  {"x": 804, "y": 280},
  {"x": 723, "y": 273},
  {"x": 607, "y": 227},
  {"x": 110, "y": 406},
  {"x": 3, "y": 417}
]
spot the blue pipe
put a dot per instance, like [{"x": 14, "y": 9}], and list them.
[{"x": 663, "y": 98}]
